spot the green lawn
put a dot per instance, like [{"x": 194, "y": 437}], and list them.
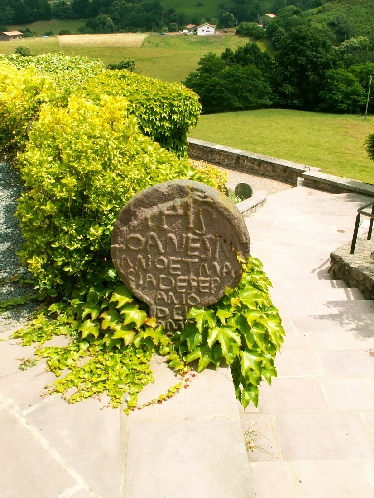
[
  {"x": 168, "y": 58},
  {"x": 334, "y": 143}
]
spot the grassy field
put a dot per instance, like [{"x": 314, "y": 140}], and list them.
[
  {"x": 334, "y": 143},
  {"x": 169, "y": 58},
  {"x": 128, "y": 40}
]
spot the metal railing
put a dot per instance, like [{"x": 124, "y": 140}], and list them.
[{"x": 360, "y": 212}]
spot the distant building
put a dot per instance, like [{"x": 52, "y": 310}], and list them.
[
  {"x": 190, "y": 29},
  {"x": 11, "y": 35},
  {"x": 265, "y": 17},
  {"x": 206, "y": 29}
]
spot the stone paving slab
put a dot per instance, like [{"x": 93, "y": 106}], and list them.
[
  {"x": 27, "y": 469},
  {"x": 319, "y": 413},
  {"x": 88, "y": 439},
  {"x": 186, "y": 459},
  {"x": 323, "y": 436},
  {"x": 191, "y": 445},
  {"x": 335, "y": 478}
]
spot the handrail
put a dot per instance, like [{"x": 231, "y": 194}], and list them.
[{"x": 360, "y": 212}]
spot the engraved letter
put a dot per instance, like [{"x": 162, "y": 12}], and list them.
[
  {"x": 191, "y": 245},
  {"x": 174, "y": 267},
  {"x": 161, "y": 262},
  {"x": 153, "y": 240},
  {"x": 181, "y": 283},
  {"x": 135, "y": 241},
  {"x": 166, "y": 282},
  {"x": 204, "y": 284}
]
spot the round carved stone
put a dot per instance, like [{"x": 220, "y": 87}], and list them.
[{"x": 176, "y": 245}]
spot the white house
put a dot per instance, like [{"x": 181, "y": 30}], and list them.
[{"x": 206, "y": 29}]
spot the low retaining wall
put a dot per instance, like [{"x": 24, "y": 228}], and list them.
[
  {"x": 357, "y": 270},
  {"x": 270, "y": 167}
]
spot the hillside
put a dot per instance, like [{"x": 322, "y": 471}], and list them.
[{"x": 357, "y": 14}]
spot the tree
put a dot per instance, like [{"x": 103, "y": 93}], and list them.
[
  {"x": 363, "y": 72},
  {"x": 304, "y": 57},
  {"x": 226, "y": 20},
  {"x": 62, "y": 10},
  {"x": 248, "y": 54},
  {"x": 222, "y": 87},
  {"x": 250, "y": 29},
  {"x": 342, "y": 93},
  {"x": 342, "y": 29},
  {"x": 81, "y": 9}
]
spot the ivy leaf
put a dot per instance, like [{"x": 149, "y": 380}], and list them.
[
  {"x": 275, "y": 329},
  {"x": 206, "y": 357},
  {"x": 250, "y": 394},
  {"x": 225, "y": 336},
  {"x": 151, "y": 322},
  {"x": 252, "y": 297},
  {"x": 192, "y": 335},
  {"x": 135, "y": 315},
  {"x": 89, "y": 327},
  {"x": 201, "y": 316},
  {"x": 121, "y": 295},
  {"x": 259, "y": 333},
  {"x": 126, "y": 335},
  {"x": 175, "y": 362},
  {"x": 248, "y": 362},
  {"x": 91, "y": 309},
  {"x": 223, "y": 314},
  {"x": 194, "y": 355},
  {"x": 111, "y": 320}
]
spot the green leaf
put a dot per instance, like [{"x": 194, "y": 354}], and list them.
[
  {"x": 89, "y": 327},
  {"x": 126, "y": 335},
  {"x": 252, "y": 297},
  {"x": 122, "y": 296},
  {"x": 248, "y": 362},
  {"x": 206, "y": 357},
  {"x": 249, "y": 394},
  {"x": 225, "y": 336},
  {"x": 259, "y": 333},
  {"x": 111, "y": 320},
  {"x": 223, "y": 314},
  {"x": 136, "y": 316},
  {"x": 192, "y": 335},
  {"x": 91, "y": 309}
]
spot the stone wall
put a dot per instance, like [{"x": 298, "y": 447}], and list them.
[
  {"x": 357, "y": 270},
  {"x": 246, "y": 162},
  {"x": 270, "y": 167}
]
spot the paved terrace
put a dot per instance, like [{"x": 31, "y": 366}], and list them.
[{"x": 312, "y": 435}]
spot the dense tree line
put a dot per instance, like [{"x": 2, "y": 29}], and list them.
[
  {"x": 24, "y": 11},
  {"x": 106, "y": 16},
  {"x": 309, "y": 71}
]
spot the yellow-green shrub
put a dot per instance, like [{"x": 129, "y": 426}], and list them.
[
  {"x": 81, "y": 165},
  {"x": 165, "y": 111},
  {"x": 217, "y": 176}
]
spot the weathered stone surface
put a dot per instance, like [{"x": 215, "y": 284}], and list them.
[
  {"x": 357, "y": 270},
  {"x": 175, "y": 246}
]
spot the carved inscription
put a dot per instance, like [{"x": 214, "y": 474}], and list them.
[{"x": 175, "y": 246}]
